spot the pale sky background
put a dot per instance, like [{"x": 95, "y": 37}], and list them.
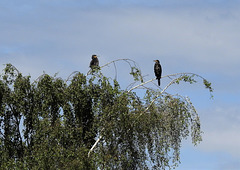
[{"x": 200, "y": 36}]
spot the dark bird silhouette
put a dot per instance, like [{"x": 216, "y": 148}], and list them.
[
  {"x": 158, "y": 71},
  {"x": 94, "y": 63}
]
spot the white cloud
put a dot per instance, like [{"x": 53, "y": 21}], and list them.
[
  {"x": 220, "y": 148},
  {"x": 204, "y": 39}
]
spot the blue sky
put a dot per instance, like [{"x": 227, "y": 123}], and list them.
[{"x": 186, "y": 36}]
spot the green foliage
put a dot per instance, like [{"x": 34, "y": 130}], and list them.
[
  {"x": 136, "y": 73},
  {"x": 186, "y": 78},
  {"x": 52, "y": 124},
  {"x": 190, "y": 79}
]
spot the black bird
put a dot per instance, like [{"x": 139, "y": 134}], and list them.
[
  {"x": 158, "y": 71},
  {"x": 94, "y": 63}
]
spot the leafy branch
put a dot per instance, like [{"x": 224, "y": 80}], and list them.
[{"x": 185, "y": 77}]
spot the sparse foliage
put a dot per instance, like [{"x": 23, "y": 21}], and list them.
[{"x": 89, "y": 122}]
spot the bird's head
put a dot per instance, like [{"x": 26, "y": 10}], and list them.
[
  {"x": 156, "y": 61},
  {"x": 94, "y": 56}
]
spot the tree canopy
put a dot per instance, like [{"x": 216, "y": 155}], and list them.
[{"x": 89, "y": 122}]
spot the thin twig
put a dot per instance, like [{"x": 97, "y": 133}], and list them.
[
  {"x": 115, "y": 70},
  {"x": 39, "y": 77},
  {"x": 124, "y": 59},
  {"x": 71, "y": 75}
]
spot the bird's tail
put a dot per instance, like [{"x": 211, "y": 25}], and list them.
[{"x": 159, "y": 81}]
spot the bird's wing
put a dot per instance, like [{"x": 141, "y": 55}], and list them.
[
  {"x": 160, "y": 70},
  {"x": 91, "y": 63},
  {"x": 157, "y": 70},
  {"x": 97, "y": 62}
]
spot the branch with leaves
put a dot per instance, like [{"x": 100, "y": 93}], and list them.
[{"x": 185, "y": 77}]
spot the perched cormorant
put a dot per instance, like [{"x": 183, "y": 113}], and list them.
[
  {"x": 158, "y": 70},
  {"x": 94, "y": 63}
]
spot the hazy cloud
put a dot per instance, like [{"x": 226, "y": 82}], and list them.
[
  {"x": 221, "y": 129},
  {"x": 206, "y": 38}
]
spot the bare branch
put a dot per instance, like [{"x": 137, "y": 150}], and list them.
[
  {"x": 141, "y": 84},
  {"x": 95, "y": 144}
]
